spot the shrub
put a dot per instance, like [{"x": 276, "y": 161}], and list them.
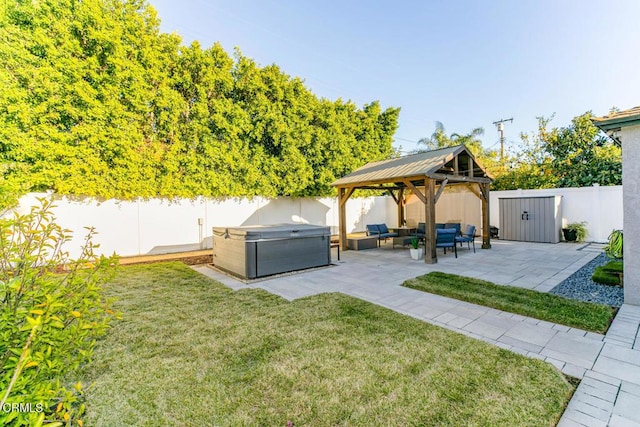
[
  {"x": 604, "y": 277},
  {"x": 614, "y": 266},
  {"x": 613, "y": 249},
  {"x": 609, "y": 274},
  {"x": 51, "y": 311}
]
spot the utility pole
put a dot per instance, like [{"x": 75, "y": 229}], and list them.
[{"x": 500, "y": 125}]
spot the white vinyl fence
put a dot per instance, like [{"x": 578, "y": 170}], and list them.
[
  {"x": 162, "y": 226},
  {"x": 599, "y": 206},
  {"x": 156, "y": 226}
]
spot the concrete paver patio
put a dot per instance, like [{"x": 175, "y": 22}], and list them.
[{"x": 609, "y": 365}]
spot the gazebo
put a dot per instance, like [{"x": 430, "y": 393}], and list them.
[{"x": 426, "y": 175}]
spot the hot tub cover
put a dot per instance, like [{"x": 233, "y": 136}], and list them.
[{"x": 270, "y": 232}]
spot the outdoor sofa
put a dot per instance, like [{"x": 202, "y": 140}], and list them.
[{"x": 380, "y": 230}]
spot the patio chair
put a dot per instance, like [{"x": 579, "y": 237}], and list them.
[
  {"x": 421, "y": 230},
  {"x": 469, "y": 237},
  {"x": 446, "y": 238},
  {"x": 381, "y": 230},
  {"x": 455, "y": 225},
  {"x": 372, "y": 229}
]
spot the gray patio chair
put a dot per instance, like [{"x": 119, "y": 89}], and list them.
[
  {"x": 446, "y": 238},
  {"x": 469, "y": 237}
]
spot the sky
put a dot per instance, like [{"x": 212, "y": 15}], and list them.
[{"x": 466, "y": 64}]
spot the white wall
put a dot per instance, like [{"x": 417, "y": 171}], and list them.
[
  {"x": 163, "y": 226},
  {"x": 456, "y": 204},
  {"x": 600, "y": 206}
]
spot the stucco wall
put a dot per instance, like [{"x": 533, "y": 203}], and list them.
[{"x": 630, "y": 137}]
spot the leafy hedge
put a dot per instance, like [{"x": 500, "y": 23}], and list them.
[
  {"x": 51, "y": 311},
  {"x": 97, "y": 101}
]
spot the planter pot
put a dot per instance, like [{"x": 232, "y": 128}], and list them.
[
  {"x": 569, "y": 235},
  {"x": 416, "y": 253}
]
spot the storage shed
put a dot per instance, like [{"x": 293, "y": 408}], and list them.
[{"x": 531, "y": 219}]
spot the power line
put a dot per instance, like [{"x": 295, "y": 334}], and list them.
[
  {"x": 406, "y": 140},
  {"x": 500, "y": 125}
]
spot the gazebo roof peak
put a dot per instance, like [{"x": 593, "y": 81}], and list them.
[{"x": 432, "y": 163}]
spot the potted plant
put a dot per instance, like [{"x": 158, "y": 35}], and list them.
[
  {"x": 575, "y": 232},
  {"x": 415, "y": 250}
]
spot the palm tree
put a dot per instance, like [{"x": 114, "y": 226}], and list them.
[
  {"x": 440, "y": 139},
  {"x": 470, "y": 140}
]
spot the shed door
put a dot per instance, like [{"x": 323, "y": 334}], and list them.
[
  {"x": 528, "y": 219},
  {"x": 511, "y": 227}
]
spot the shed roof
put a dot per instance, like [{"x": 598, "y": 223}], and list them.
[{"x": 433, "y": 164}]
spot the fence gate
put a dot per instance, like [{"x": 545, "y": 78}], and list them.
[{"x": 531, "y": 219}]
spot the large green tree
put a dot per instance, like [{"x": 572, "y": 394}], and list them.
[
  {"x": 581, "y": 155},
  {"x": 577, "y": 155},
  {"x": 97, "y": 101}
]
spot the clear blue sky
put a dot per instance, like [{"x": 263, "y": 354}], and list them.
[{"x": 464, "y": 63}]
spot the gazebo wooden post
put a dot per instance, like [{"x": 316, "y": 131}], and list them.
[
  {"x": 486, "y": 235},
  {"x": 342, "y": 217},
  {"x": 430, "y": 256},
  {"x": 400, "y": 202}
]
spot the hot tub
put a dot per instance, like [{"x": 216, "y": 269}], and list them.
[{"x": 256, "y": 251}]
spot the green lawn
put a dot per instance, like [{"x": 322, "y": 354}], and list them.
[
  {"x": 552, "y": 308},
  {"x": 190, "y": 352}
]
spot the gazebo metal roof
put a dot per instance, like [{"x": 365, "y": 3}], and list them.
[{"x": 444, "y": 163}]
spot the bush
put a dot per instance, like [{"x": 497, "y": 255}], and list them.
[
  {"x": 614, "y": 266},
  {"x": 613, "y": 249},
  {"x": 608, "y": 274},
  {"x": 51, "y": 311}
]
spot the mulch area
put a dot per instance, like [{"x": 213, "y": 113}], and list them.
[{"x": 189, "y": 258}]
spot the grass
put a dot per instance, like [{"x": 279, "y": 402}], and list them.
[
  {"x": 614, "y": 266},
  {"x": 543, "y": 306},
  {"x": 609, "y": 274},
  {"x": 605, "y": 277},
  {"x": 190, "y": 352}
]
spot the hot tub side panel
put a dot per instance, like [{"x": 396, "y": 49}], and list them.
[
  {"x": 234, "y": 256},
  {"x": 283, "y": 255}
]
